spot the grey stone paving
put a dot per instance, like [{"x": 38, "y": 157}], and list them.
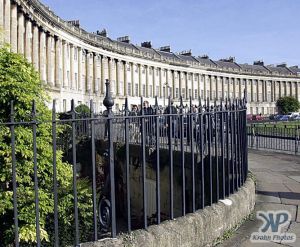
[{"x": 278, "y": 188}]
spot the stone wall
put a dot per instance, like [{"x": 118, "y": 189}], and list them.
[{"x": 201, "y": 228}]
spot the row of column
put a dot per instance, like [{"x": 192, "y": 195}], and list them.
[{"x": 64, "y": 65}]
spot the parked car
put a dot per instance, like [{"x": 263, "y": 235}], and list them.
[
  {"x": 277, "y": 117},
  {"x": 249, "y": 117},
  {"x": 297, "y": 118},
  {"x": 284, "y": 118},
  {"x": 293, "y": 114},
  {"x": 257, "y": 117}
]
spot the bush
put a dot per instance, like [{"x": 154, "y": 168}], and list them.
[{"x": 20, "y": 82}]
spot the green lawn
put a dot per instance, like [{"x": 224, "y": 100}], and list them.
[{"x": 290, "y": 124}]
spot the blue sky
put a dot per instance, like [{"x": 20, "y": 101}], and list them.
[{"x": 246, "y": 29}]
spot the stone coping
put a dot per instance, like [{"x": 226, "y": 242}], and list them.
[{"x": 201, "y": 228}]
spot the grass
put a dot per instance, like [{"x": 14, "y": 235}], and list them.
[{"x": 290, "y": 124}]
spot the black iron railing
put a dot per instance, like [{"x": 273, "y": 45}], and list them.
[
  {"x": 277, "y": 136},
  {"x": 191, "y": 156}
]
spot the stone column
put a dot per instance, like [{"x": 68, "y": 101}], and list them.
[
  {"x": 14, "y": 28},
  {"x": 50, "y": 64},
  {"x": 120, "y": 88},
  {"x": 65, "y": 64},
  {"x": 153, "y": 82},
  {"x": 104, "y": 73},
  {"x": 206, "y": 81},
  {"x": 147, "y": 80},
  {"x": 35, "y": 47},
  {"x": 223, "y": 88},
  {"x": 58, "y": 63},
  {"x": 89, "y": 72},
  {"x": 133, "y": 79},
  {"x": 80, "y": 51},
  {"x": 21, "y": 33},
  {"x": 111, "y": 76},
  {"x": 160, "y": 74},
  {"x": 72, "y": 72},
  {"x": 7, "y": 21},
  {"x": 28, "y": 39},
  {"x": 240, "y": 88},
  {"x": 217, "y": 88},
  {"x": 140, "y": 80},
  {"x": 96, "y": 74},
  {"x": 42, "y": 59},
  {"x": 245, "y": 89}
]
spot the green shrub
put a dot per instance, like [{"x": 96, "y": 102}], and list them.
[{"x": 20, "y": 82}]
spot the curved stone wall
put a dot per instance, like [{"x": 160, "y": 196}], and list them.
[{"x": 74, "y": 64}]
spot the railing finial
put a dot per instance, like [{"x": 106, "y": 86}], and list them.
[{"x": 108, "y": 101}]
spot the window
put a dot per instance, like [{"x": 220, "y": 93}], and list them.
[
  {"x": 143, "y": 70},
  {"x": 68, "y": 50},
  {"x": 68, "y": 76},
  {"x": 76, "y": 80},
  {"x": 144, "y": 90},
  {"x": 202, "y": 94},
  {"x": 136, "y": 89},
  {"x": 98, "y": 82},
  {"x": 248, "y": 96},
  {"x": 157, "y": 91},
  {"x": 150, "y": 93},
  {"x": 64, "y": 105},
  {"x": 196, "y": 93},
  {"x": 176, "y": 93},
  {"x": 207, "y": 94},
  {"x": 269, "y": 96},
  {"x": 164, "y": 91},
  {"x": 128, "y": 88},
  {"x": 128, "y": 67},
  {"x": 75, "y": 53},
  {"x": 225, "y": 95},
  {"x": 183, "y": 92},
  {"x": 120, "y": 89},
  {"x": 213, "y": 94},
  {"x": 83, "y": 79},
  {"x": 190, "y": 93}
]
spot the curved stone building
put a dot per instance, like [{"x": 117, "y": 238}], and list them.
[{"x": 74, "y": 65}]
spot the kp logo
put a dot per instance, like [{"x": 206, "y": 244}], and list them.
[{"x": 272, "y": 228}]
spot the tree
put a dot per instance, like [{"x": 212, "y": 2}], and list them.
[
  {"x": 287, "y": 104},
  {"x": 20, "y": 82}
]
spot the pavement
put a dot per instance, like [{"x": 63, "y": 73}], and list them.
[{"x": 277, "y": 188}]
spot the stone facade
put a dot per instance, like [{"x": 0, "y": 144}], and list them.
[{"x": 74, "y": 64}]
